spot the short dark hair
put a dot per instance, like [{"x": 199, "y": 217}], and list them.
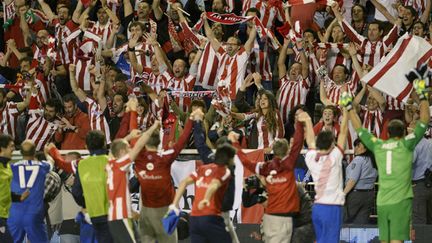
[
  {"x": 324, "y": 140},
  {"x": 314, "y": 33},
  {"x": 280, "y": 147},
  {"x": 95, "y": 140},
  {"x": 118, "y": 145},
  {"x": 254, "y": 10},
  {"x": 54, "y": 103},
  {"x": 74, "y": 153},
  {"x": 332, "y": 108},
  {"x": 199, "y": 103},
  {"x": 70, "y": 98},
  {"x": 137, "y": 23},
  {"x": 224, "y": 154},
  {"x": 412, "y": 10},
  {"x": 380, "y": 25},
  {"x": 121, "y": 77},
  {"x": 5, "y": 140},
  {"x": 396, "y": 128},
  {"x": 154, "y": 139},
  {"x": 346, "y": 71},
  {"x": 26, "y": 58},
  {"x": 124, "y": 96}
]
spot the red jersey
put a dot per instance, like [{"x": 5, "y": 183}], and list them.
[
  {"x": 154, "y": 172},
  {"x": 118, "y": 188},
  {"x": 292, "y": 93},
  {"x": 280, "y": 179},
  {"x": 203, "y": 177}
]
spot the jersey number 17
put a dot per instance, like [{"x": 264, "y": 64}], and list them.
[{"x": 34, "y": 169}]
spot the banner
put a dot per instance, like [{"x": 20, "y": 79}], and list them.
[
  {"x": 227, "y": 19},
  {"x": 389, "y": 75}
]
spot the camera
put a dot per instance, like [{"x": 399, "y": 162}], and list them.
[{"x": 252, "y": 182}]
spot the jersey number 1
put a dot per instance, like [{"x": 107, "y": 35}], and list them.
[
  {"x": 31, "y": 180},
  {"x": 389, "y": 162}
]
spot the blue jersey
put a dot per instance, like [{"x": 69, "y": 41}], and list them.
[{"x": 29, "y": 174}]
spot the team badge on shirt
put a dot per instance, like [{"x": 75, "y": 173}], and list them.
[
  {"x": 150, "y": 166},
  {"x": 208, "y": 172}
]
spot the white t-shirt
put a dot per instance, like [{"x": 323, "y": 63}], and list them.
[{"x": 326, "y": 170}]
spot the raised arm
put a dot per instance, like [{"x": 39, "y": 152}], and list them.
[
  {"x": 157, "y": 11},
  {"x": 384, "y": 11},
  {"x": 343, "y": 132},
  {"x": 114, "y": 19},
  {"x": 323, "y": 94},
  {"x": 346, "y": 27},
  {"x": 77, "y": 12},
  {"x": 127, "y": 8},
  {"x": 329, "y": 30},
  {"x": 200, "y": 140},
  {"x": 133, "y": 42},
  {"x": 47, "y": 10},
  {"x": 353, "y": 54},
  {"x": 282, "y": 58},
  {"x": 60, "y": 162},
  {"x": 209, "y": 33},
  {"x": 82, "y": 96},
  {"x": 309, "y": 130},
  {"x": 303, "y": 59},
  {"x": 289, "y": 161},
  {"x": 248, "y": 46},
  {"x": 24, "y": 26},
  {"x": 359, "y": 97},
  {"x": 425, "y": 15},
  {"x": 139, "y": 145}
]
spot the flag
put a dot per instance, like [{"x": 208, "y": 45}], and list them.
[{"x": 389, "y": 75}]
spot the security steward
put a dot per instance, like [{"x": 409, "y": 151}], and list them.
[{"x": 361, "y": 175}]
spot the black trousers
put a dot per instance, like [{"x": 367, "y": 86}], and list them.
[
  {"x": 358, "y": 207},
  {"x": 5, "y": 236},
  {"x": 122, "y": 231},
  {"x": 208, "y": 229},
  {"x": 102, "y": 231}
]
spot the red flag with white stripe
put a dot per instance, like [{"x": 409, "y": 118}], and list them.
[{"x": 389, "y": 75}]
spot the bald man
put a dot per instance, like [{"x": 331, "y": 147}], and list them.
[{"x": 27, "y": 217}]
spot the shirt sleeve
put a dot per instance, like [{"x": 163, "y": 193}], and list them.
[
  {"x": 124, "y": 163},
  {"x": 411, "y": 140},
  {"x": 354, "y": 169},
  {"x": 367, "y": 138}
]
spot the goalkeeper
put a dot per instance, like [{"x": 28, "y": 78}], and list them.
[{"x": 394, "y": 161}]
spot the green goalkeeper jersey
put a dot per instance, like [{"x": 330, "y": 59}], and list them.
[{"x": 394, "y": 160}]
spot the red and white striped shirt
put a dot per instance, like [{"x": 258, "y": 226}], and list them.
[
  {"x": 292, "y": 93},
  {"x": 97, "y": 118},
  {"x": 208, "y": 68},
  {"x": 334, "y": 90},
  {"x": 184, "y": 84},
  {"x": 84, "y": 58},
  {"x": 265, "y": 136},
  {"x": 66, "y": 51},
  {"x": 419, "y": 5},
  {"x": 8, "y": 119},
  {"x": 259, "y": 62},
  {"x": 156, "y": 82},
  {"x": 232, "y": 69},
  {"x": 118, "y": 188},
  {"x": 39, "y": 130},
  {"x": 335, "y": 57},
  {"x": 145, "y": 121},
  {"x": 393, "y": 104},
  {"x": 373, "y": 120},
  {"x": 371, "y": 52},
  {"x": 269, "y": 12},
  {"x": 102, "y": 31}
]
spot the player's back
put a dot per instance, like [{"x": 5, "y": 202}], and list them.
[{"x": 29, "y": 174}]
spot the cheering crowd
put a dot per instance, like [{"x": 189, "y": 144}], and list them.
[{"x": 135, "y": 82}]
